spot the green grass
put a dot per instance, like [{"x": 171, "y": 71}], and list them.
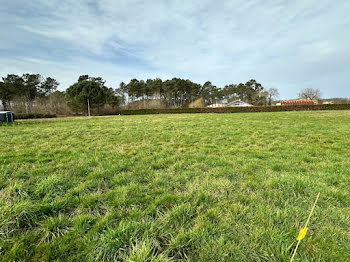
[{"x": 189, "y": 187}]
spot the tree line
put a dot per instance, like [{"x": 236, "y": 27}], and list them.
[
  {"x": 179, "y": 92},
  {"x": 28, "y": 87},
  {"x": 33, "y": 92}
]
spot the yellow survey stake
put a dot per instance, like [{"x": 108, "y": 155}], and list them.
[{"x": 302, "y": 233}]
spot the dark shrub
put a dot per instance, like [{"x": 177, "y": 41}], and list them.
[
  {"x": 34, "y": 115},
  {"x": 237, "y": 109}
]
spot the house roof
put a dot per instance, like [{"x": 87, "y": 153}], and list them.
[
  {"x": 238, "y": 103},
  {"x": 298, "y": 102},
  {"x": 217, "y": 105}
]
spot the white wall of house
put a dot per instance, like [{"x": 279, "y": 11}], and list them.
[{"x": 238, "y": 103}]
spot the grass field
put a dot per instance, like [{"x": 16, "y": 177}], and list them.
[{"x": 190, "y": 187}]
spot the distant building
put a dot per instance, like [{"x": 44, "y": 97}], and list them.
[
  {"x": 238, "y": 103},
  {"x": 298, "y": 102},
  {"x": 216, "y": 105}
]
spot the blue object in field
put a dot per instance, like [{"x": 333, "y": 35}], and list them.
[{"x": 7, "y": 117}]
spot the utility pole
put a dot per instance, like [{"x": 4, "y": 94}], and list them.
[{"x": 88, "y": 104}]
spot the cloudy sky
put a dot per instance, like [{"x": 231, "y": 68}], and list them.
[{"x": 283, "y": 44}]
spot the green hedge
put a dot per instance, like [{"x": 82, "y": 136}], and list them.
[
  {"x": 31, "y": 116},
  {"x": 237, "y": 109}
]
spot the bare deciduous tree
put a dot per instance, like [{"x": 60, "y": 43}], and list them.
[
  {"x": 272, "y": 93},
  {"x": 310, "y": 93}
]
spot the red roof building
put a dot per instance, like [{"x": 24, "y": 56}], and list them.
[{"x": 298, "y": 102}]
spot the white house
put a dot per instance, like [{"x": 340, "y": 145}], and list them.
[
  {"x": 216, "y": 105},
  {"x": 238, "y": 103}
]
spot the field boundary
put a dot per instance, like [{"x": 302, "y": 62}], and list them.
[
  {"x": 220, "y": 110},
  {"x": 236, "y": 109},
  {"x": 20, "y": 116}
]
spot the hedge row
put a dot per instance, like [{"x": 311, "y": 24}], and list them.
[
  {"x": 34, "y": 115},
  {"x": 237, "y": 109}
]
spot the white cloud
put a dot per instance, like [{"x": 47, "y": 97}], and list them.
[{"x": 285, "y": 44}]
